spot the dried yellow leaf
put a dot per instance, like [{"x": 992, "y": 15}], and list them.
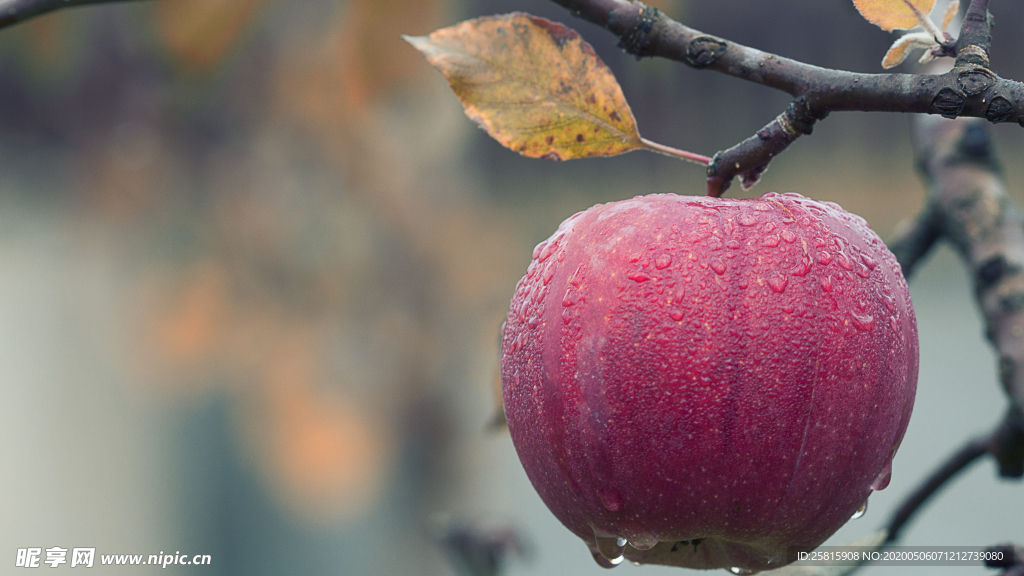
[
  {"x": 534, "y": 85},
  {"x": 896, "y": 55},
  {"x": 892, "y": 15}
]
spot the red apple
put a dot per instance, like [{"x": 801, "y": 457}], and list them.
[{"x": 710, "y": 380}]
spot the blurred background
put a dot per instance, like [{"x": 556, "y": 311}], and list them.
[{"x": 254, "y": 261}]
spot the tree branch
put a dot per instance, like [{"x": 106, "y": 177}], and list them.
[
  {"x": 970, "y": 89},
  {"x": 968, "y": 203},
  {"x": 972, "y": 46},
  {"x": 1013, "y": 559},
  {"x": 16, "y": 11}
]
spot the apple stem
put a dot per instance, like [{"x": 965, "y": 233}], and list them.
[{"x": 675, "y": 152}]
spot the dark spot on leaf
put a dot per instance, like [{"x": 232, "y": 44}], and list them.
[
  {"x": 552, "y": 156},
  {"x": 615, "y": 116},
  {"x": 579, "y": 137},
  {"x": 560, "y": 33},
  {"x": 592, "y": 99},
  {"x": 549, "y": 140}
]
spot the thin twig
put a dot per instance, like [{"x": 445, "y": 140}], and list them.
[
  {"x": 16, "y": 11},
  {"x": 955, "y": 464},
  {"x": 1005, "y": 444}
]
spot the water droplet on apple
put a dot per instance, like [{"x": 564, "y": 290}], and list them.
[
  {"x": 882, "y": 481},
  {"x": 862, "y": 322},
  {"x": 604, "y": 562},
  {"x": 771, "y": 241},
  {"x": 539, "y": 248},
  {"x": 890, "y": 302},
  {"x": 637, "y": 277},
  {"x": 549, "y": 273},
  {"x": 718, "y": 266},
  {"x": 610, "y": 548},
  {"x": 747, "y": 220},
  {"x": 676, "y": 315},
  {"x": 662, "y": 262},
  {"x": 869, "y": 261},
  {"x": 788, "y": 236},
  {"x": 844, "y": 262},
  {"x": 611, "y": 499},
  {"x": 860, "y": 511},
  {"x": 863, "y": 271},
  {"x": 824, "y": 258},
  {"x": 778, "y": 284},
  {"x": 547, "y": 251},
  {"x": 826, "y": 283},
  {"x": 645, "y": 542},
  {"x": 575, "y": 279},
  {"x": 802, "y": 267}
]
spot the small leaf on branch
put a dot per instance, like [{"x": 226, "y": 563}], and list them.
[
  {"x": 892, "y": 15},
  {"x": 904, "y": 44},
  {"x": 537, "y": 87}
]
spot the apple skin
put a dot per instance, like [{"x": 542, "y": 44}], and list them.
[{"x": 713, "y": 380}]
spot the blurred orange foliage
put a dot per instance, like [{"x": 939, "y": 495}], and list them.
[
  {"x": 199, "y": 33},
  {"x": 326, "y": 453}
]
